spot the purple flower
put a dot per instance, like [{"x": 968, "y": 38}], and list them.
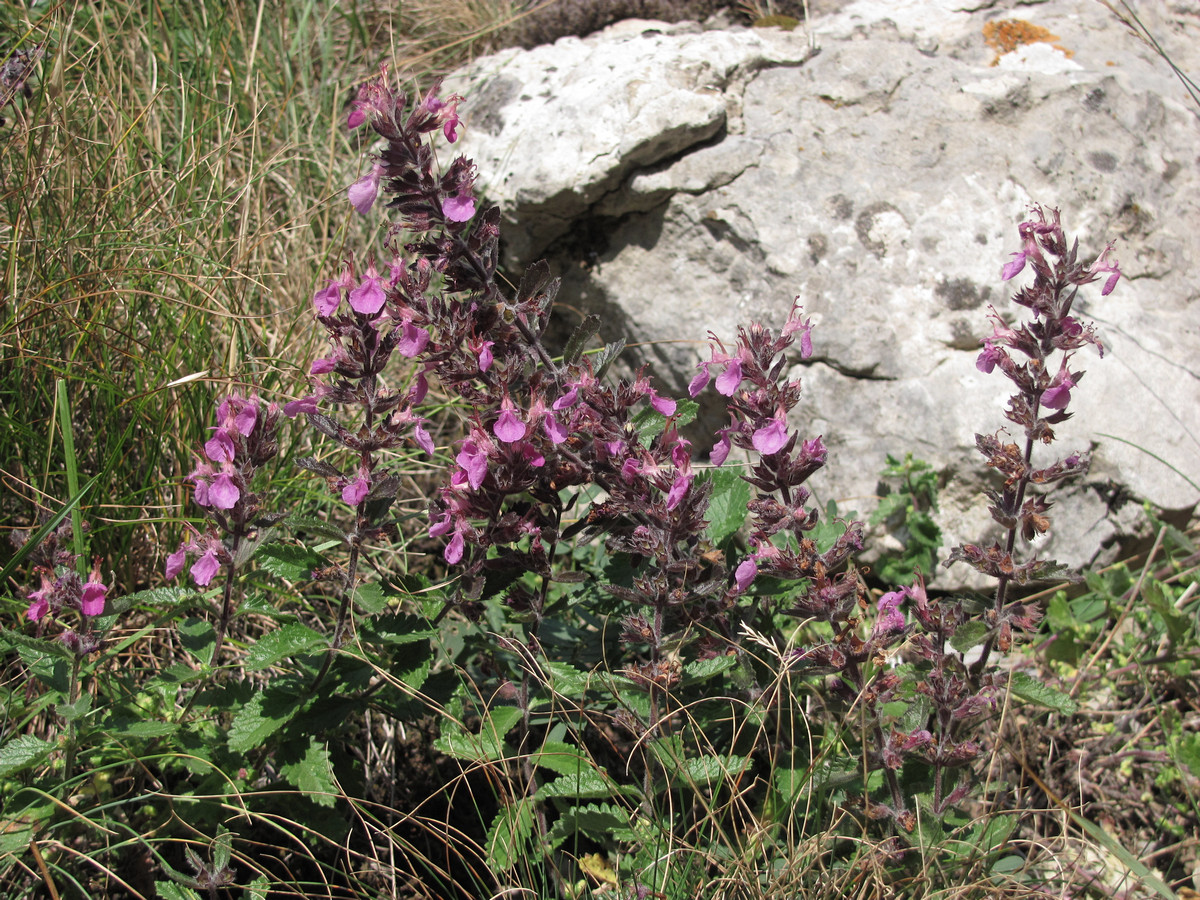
[
  {"x": 508, "y": 427},
  {"x": 222, "y": 493},
  {"x": 989, "y": 357},
  {"x": 745, "y": 573},
  {"x": 679, "y": 488},
  {"x": 91, "y": 601},
  {"x": 368, "y": 298},
  {"x": 890, "y": 618},
  {"x": 568, "y": 399},
  {"x": 323, "y": 366},
  {"x": 700, "y": 382},
  {"x": 303, "y": 405},
  {"x": 459, "y": 208},
  {"x": 770, "y": 438},
  {"x": 176, "y": 561},
  {"x": 728, "y": 381},
  {"x": 41, "y": 603},
  {"x": 205, "y": 568},
  {"x": 454, "y": 549},
  {"x": 219, "y": 447},
  {"x": 412, "y": 340},
  {"x": 720, "y": 450},
  {"x": 663, "y": 405},
  {"x": 327, "y": 300},
  {"x": 1058, "y": 395},
  {"x": 363, "y": 192},
  {"x": 474, "y": 462},
  {"x": 421, "y": 436},
  {"x": 356, "y": 491},
  {"x": 1103, "y": 264},
  {"x": 555, "y": 430}
]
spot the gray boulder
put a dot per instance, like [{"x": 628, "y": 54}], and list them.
[{"x": 686, "y": 180}]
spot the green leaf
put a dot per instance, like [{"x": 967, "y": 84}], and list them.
[
  {"x": 313, "y": 774},
  {"x": 727, "y": 505},
  {"x": 169, "y": 890},
  {"x": 397, "y": 628},
  {"x": 1186, "y": 752},
  {"x": 1031, "y": 690},
  {"x": 508, "y": 835},
  {"x": 650, "y": 423},
  {"x": 264, "y": 714},
  {"x": 72, "y": 711},
  {"x": 370, "y": 598},
  {"x": 560, "y": 757},
  {"x": 22, "y": 752},
  {"x": 969, "y": 635},
  {"x": 710, "y": 769},
  {"x": 139, "y": 728},
  {"x": 290, "y": 562},
  {"x": 703, "y": 669},
  {"x": 198, "y": 638},
  {"x": 601, "y": 822},
  {"x": 161, "y": 596},
  {"x": 566, "y": 681},
  {"x": 222, "y": 848},
  {"x": 1159, "y": 599},
  {"x": 282, "y": 643},
  {"x": 586, "y": 785}
]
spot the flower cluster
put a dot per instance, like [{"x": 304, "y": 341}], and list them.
[
  {"x": 242, "y": 442},
  {"x": 62, "y": 588}
]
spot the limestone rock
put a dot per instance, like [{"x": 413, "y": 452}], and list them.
[{"x": 685, "y": 180}]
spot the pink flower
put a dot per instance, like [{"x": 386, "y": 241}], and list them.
[
  {"x": 421, "y": 436},
  {"x": 175, "y": 562},
  {"x": 989, "y": 357},
  {"x": 508, "y": 427},
  {"x": 223, "y": 493},
  {"x": 663, "y": 405},
  {"x": 473, "y": 460},
  {"x": 728, "y": 381},
  {"x": 327, "y": 300},
  {"x": 368, "y": 298},
  {"x": 297, "y": 407},
  {"x": 454, "y": 549},
  {"x": 91, "y": 601},
  {"x": 1103, "y": 264},
  {"x": 356, "y": 491},
  {"x": 459, "y": 208},
  {"x": 890, "y": 618},
  {"x": 771, "y": 438},
  {"x": 1058, "y": 395},
  {"x": 219, "y": 447},
  {"x": 363, "y": 192},
  {"x": 678, "y": 490},
  {"x": 744, "y": 574},
  {"x": 720, "y": 450},
  {"x": 555, "y": 430},
  {"x": 40, "y": 605},
  {"x": 205, "y": 568},
  {"x": 412, "y": 340}
]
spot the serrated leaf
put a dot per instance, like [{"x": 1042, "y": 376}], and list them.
[
  {"x": 599, "y": 821},
  {"x": 889, "y": 505},
  {"x": 22, "y": 752},
  {"x": 968, "y": 636},
  {"x": 710, "y": 769},
  {"x": 319, "y": 466},
  {"x": 72, "y": 711},
  {"x": 583, "y": 333},
  {"x": 169, "y": 890},
  {"x": 198, "y": 638},
  {"x": 161, "y": 596},
  {"x": 727, "y": 505},
  {"x": 1186, "y": 752},
  {"x": 560, "y": 757},
  {"x": 586, "y": 785},
  {"x": 370, "y": 598},
  {"x": 650, "y": 423},
  {"x": 264, "y": 714},
  {"x": 565, "y": 680},
  {"x": 313, "y": 774},
  {"x": 465, "y": 746},
  {"x": 703, "y": 669},
  {"x": 508, "y": 836},
  {"x": 290, "y": 562},
  {"x": 608, "y": 353},
  {"x": 282, "y": 643},
  {"x": 139, "y": 728},
  {"x": 1031, "y": 690}
]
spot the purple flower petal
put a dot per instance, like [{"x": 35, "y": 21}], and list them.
[
  {"x": 508, "y": 427},
  {"x": 744, "y": 574},
  {"x": 454, "y": 549},
  {"x": 205, "y": 568},
  {"x": 412, "y": 341},
  {"x": 700, "y": 382},
  {"x": 720, "y": 450},
  {"x": 458, "y": 208},
  {"x": 91, "y": 601},
  {"x": 223, "y": 493},
  {"x": 356, "y": 491},
  {"x": 175, "y": 562},
  {"x": 368, "y": 298},
  {"x": 328, "y": 299},
  {"x": 663, "y": 405},
  {"x": 728, "y": 381},
  {"x": 770, "y": 438},
  {"x": 555, "y": 430},
  {"x": 219, "y": 448},
  {"x": 679, "y": 488}
]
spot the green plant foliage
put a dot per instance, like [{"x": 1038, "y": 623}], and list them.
[{"x": 906, "y": 506}]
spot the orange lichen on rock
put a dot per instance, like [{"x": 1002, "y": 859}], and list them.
[{"x": 1007, "y": 35}]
